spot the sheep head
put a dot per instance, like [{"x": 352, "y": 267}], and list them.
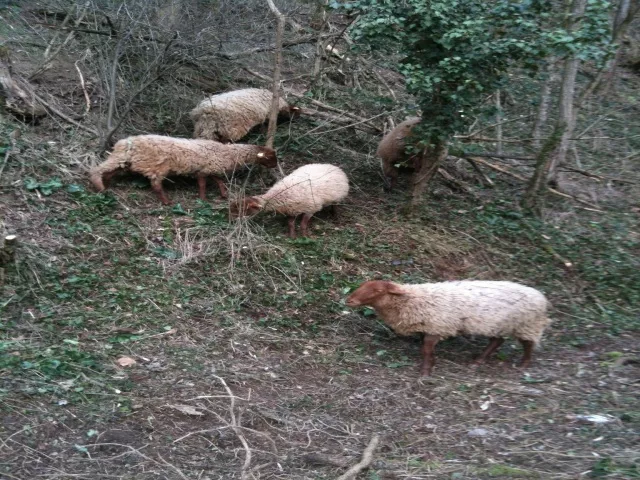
[
  {"x": 372, "y": 292},
  {"x": 267, "y": 157},
  {"x": 248, "y": 206}
]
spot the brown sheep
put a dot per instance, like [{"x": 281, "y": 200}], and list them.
[{"x": 391, "y": 150}]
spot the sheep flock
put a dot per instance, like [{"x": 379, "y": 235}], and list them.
[{"x": 493, "y": 309}]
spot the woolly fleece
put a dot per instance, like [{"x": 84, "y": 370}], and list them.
[
  {"x": 156, "y": 157},
  {"x": 492, "y": 309},
  {"x": 306, "y": 190},
  {"x": 229, "y": 116}
]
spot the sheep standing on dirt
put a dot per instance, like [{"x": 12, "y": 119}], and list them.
[
  {"x": 441, "y": 310},
  {"x": 156, "y": 157},
  {"x": 391, "y": 150},
  {"x": 227, "y": 117},
  {"x": 305, "y": 191}
]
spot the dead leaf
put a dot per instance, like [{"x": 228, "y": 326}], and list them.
[
  {"x": 125, "y": 361},
  {"x": 187, "y": 409}
]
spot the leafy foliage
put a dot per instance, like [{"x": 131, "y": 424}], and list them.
[{"x": 454, "y": 53}]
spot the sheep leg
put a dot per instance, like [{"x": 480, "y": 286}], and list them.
[
  {"x": 428, "y": 354},
  {"x": 221, "y": 186},
  {"x": 333, "y": 210},
  {"x": 202, "y": 187},
  {"x": 494, "y": 345},
  {"x": 107, "y": 177},
  {"x": 528, "y": 350},
  {"x": 292, "y": 227},
  {"x": 156, "y": 185},
  {"x": 304, "y": 224}
]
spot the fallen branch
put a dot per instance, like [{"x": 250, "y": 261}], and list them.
[
  {"x": 457, "y": 184},
  {"x": 362, "y": 122},
  {"x": 66, "y": 118},
  {"x": 367, "y": 458},
  {"x": 497, "y": 168},
  {"x": 84, "y": 89},
  {"x": 268, "y": 48},
  {"x": 592, "y": 207},
  {"x": 485, "y": 179},
  {"x": 496, "y": 155},
  {"x": 13, "y": 136},
  {"x": 235, "y": 427},
  {"x": 597, "y": 176},
  {"x": 49, "y": 58},
  {"x": 332, "y": 109}
]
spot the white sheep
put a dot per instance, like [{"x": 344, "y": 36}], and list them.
[
  {"x": 156, "y": 157},
  {"x": 227, "y": 117},
  {"x": 391, "y": 150},
  {"x": 304, "y": 191},
  {"x": 447, "y": 309}
]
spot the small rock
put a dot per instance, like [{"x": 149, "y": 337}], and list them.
[{"x": 478, "y": 432}]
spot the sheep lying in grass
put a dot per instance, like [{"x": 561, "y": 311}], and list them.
[
  {"x": 441, "y": 310},
  {"x": 391, "y": 150},
  {"x": 227, "y": 117},
  {"x": 304, "y": 191},
  {"x": 156, "y": 157}
]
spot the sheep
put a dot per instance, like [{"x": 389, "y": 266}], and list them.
[
  {"x": 227, "y": 117},
  {"x": 156, "y": 157},
  {"x": 391, "y": 150},
  {"x": 447, "y": 309},
  {"x": 304, "y": 191}
]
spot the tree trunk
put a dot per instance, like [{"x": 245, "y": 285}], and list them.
[
  {"x": 554, "y": 151},
  {"x": 273, "y": 115},
  {"x": 426, "y": 167},
  {"x": 625, "y": 12},
  {"x": 566, "y": 116},
  {"x": 543, "y": 107}
]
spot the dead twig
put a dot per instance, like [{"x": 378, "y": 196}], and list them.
[
  {"x": 66, "y": 118},
  {"x": 367, "y": 458},
  {"x": 485, "y": 179},
  {"x": 235, "y": 427},
  {"x": 13, "y": 137},
  {"x": 84, "y": 89}
]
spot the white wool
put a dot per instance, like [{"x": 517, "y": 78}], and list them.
[
  {"x": 306, "y": 190},
  {"x": 229, "y": 116},
  {"x": 488, "y": 308}
]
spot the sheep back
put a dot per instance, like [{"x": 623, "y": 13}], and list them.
[
  {"x": 156, "y": 156},
  {"x": 488, "y": 308},
  {"x": 230, "y": 116},
  {"x": 306, "y": 190}
]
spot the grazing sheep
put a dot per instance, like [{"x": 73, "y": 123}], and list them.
[
  {"x": 391, "y": 150},
  {"x": 441, "y": 310},
  {"x": 227, "y": 117},
  {"x": 156, "y": 157},
  {"x": 304, "y": 191}
]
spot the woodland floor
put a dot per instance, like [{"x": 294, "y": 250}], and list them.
[{"x": 197, "y": 301}]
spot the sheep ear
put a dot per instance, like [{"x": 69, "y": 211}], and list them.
[
  {"x": 394, "y": 289},
  {"x": 260, "y": 155}
]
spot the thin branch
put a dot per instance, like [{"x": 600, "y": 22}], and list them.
[
  {"x": 84, "y": 89},
  {"x": 367, "y": 458},
  {"x": 64, "y": 117},
  {"x": 268, "y": 48},
  {"x": 496, "y": 155},
  {"x": 234, "y": 426}
]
